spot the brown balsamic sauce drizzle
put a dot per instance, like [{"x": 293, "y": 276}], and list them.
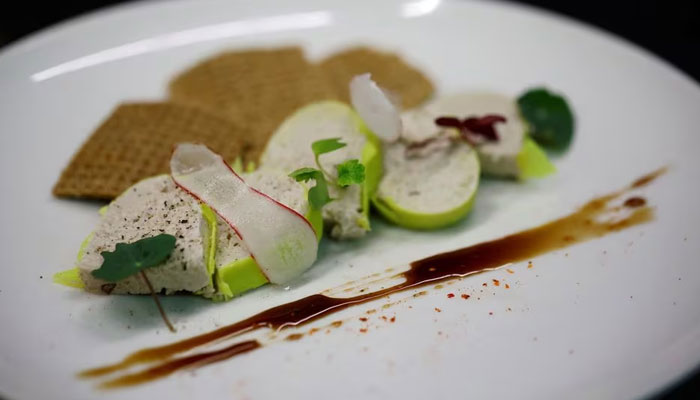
[
  {"x": 581, "y": 225},
  {"x": 196, "y": 360},
  {"x": 635, "y": 202}
]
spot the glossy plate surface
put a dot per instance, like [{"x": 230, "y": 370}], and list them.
[{"x": 611, "y": 318}]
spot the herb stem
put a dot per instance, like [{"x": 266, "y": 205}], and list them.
[
  {"x": 160, "y": 307},
  {"x": 329, "y": 177}
]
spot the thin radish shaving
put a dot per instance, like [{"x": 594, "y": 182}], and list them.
[
  {"x": 282, "y": 241},
  {"x": 375, "y": 108}
]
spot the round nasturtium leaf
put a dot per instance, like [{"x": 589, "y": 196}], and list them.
[
  {"x": 550, "y": 120},
  {"x": 130, "y": 258}
]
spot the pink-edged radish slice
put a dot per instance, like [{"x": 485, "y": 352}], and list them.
[
  {"x": 281, "y": 240},
  {"x": 375, "y": 108}
]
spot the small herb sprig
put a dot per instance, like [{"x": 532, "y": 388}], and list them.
[
  {"x": 348, "y": 173},
  {"x": 131, "y": 258}
]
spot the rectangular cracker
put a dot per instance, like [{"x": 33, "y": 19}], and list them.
[
  {"x": 136, "y": 141},
  {"x": 258, "y": 88},
  {"x": 389, "y": 70}
]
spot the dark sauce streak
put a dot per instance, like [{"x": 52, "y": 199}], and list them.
[
  {"x": 579, "y": 226},
  {"x": 196, "y": 360},
  {"x": 635, "y": 202}
]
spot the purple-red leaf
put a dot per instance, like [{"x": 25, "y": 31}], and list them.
[
  {"x": 449, "y": 122},
  {"x": 474, "y": 130}
]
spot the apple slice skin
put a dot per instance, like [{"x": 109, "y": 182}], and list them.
[
  {"x": 532, "y": 161},
  {"x": 238, "y": 277},
  {"x": 234, "y": 278},
  {"x": 71, "y": 277},
  {"x": 420, "y": 221},
  {"x": 412, "y": 215},
  {"x": 372, "y": 160},
  {"x": 282, "y": 241}
]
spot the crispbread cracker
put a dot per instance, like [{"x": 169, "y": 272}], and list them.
[
  {"x": 258, "y": 88},
  {"x": 232, "y": 102},
  {"x": 388, "y": 69},
  {"x": 136, "y": 142}
]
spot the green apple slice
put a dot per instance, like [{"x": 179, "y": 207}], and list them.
[
  {"x": 71, "y": 277},
  {"x": 512, "y": 156},
  {"x": 429, "y": 190},
  {"x": 235, "y": 277},
  {"x": 290, "y": 148},
  {"x": 532, "y": 161}
]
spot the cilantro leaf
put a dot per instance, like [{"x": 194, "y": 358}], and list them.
[
  {"x": 326, "y": 146},
  {"x": 318, "y": 195},
  {"x": 304, "y": 174},
  {"x": 549, "y": 117},
  {"x": 130, "y": 258},
  {"x": 349, "y": 172}
]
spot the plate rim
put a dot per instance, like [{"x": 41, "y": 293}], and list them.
[
  {"x": 138, "y": 6},
  {"x": 25, "y": 45}
]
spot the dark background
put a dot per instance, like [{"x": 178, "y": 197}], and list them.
[{"x": 670, "y": 28}]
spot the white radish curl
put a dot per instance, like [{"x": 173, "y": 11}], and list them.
[
  {"x": 282, "y": 241},
  {"x": 375, "y": 108}
]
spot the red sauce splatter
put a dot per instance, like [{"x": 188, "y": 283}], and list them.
[
  {"x": 496, "y": 282},
  {"x": 465, "y": 296},
  {"x": 450, "y": 295}
]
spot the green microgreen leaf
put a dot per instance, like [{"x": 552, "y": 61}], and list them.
[
  {"x": 318, "y": 195},
  {"x": 324, "y": 146},
  {"x": 130, "y": 258},
  {"x": 350, "y": 172},
  {"x": 304, "y": 174},
  {"x": 550, "y": 120}
]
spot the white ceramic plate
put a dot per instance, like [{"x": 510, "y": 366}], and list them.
[{"x": 611, "y": 318}]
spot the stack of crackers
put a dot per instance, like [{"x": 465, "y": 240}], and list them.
[{"x": 233, "y": 103}]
